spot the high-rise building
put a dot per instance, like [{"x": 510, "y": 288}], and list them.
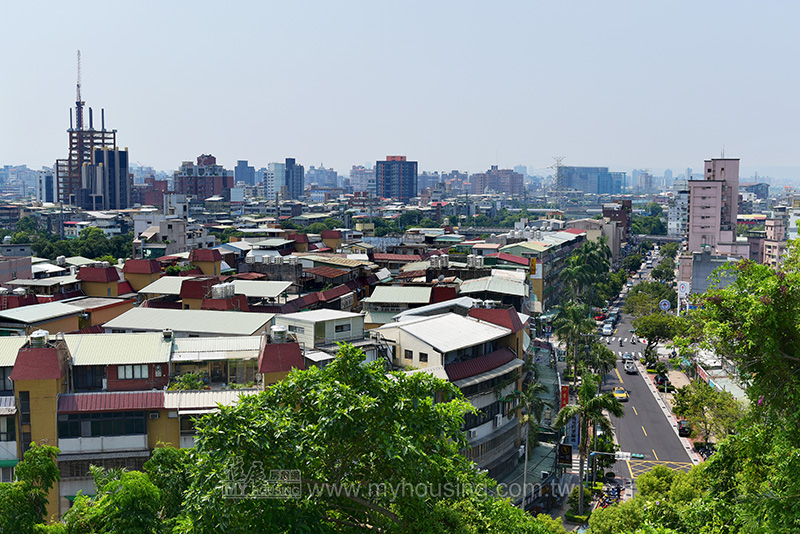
[
  {"x": 521, "y": 169},
  {"x": 204, "y": 180},
  {"x": 713, "y": 205},
  {"x": 498, "y": 181},
  {"x": 596, "y": 180},
  {"x": 678, "y": 213},
  {"x": 295, "y": 179},
  {"x": 396, "y": 177},
  {"x": 322, "y": 177},
  {"x": 668, "y": 178},
  {"x": 46, "y": 186},
  {"x": 106, "y": 183},
  {"x": 275, "y": 181},
  {"x": 244, "y": 173},
  {"x": 362, "y": 179}
]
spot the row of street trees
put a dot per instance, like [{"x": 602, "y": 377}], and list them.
[{"x": 586, "y": 283}]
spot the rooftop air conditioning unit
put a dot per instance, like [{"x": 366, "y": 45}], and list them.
[
  {"x": 20, "y": 292},
  {"x": 154, "y": 415},
  {"x": 472, "y": 433},
  {"x": 105, "y": 265},
  {"x": 249, "y": 259}
]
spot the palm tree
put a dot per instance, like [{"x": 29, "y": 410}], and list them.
[
  {"x": 590, "y": 411},
  {"x": 602, "y": 361},
  {"x": 571, "y": 323},
  {"x": 532, "y": 403}
]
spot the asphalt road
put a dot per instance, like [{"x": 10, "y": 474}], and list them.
[{"x": 644, "y": 429}]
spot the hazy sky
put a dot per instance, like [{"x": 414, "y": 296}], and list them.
[{"x": 453, "y": 85}]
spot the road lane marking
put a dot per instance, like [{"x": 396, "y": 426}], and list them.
[
  {"x": 645, "y": 431},
  {"x": 619, "y": 376},
  {"x": 654, "y": 454},
  {"x": 634, "y": 410},
  {"x": 630, "y": 470}
]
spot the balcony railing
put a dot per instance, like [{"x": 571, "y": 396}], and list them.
[{"x": 103, "y": 444}]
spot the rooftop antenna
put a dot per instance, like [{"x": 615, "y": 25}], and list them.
[
  {"x": 723, "y": 152},
  {"x": 78, "y": 102}
]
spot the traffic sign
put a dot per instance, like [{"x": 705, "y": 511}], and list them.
[
  {"x": 565, "y": 454},
  {"x": 664, "y": 305},
  {"x": 683, "y": 289},
  {"x": 622, "y": 456}
]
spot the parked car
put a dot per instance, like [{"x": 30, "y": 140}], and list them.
[
  {"x": 620, "y": 394},
  {"x": 630, "y": 368},
  {"x": 600, "y": 317},
  {"x": 661, "y": 380},
  {"x": 684, "y": 429}
]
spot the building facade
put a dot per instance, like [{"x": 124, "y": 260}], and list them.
[
  {"x": 396, "y": 177},
  {"x": 203, "y": 180},
  {"x": 713, "y": 205},
  {"x": 295, "y": 179}
]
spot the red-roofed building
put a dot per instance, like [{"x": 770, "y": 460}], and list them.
[
  {"x": 195, "y": 290},
  {"x": 574, "y": 231},
  {"x": 278, "y": 359},
  {"x": 476, "y": 366},
  {"x": 99, "y": 281},
  {"x": 209, "y": 260},
  {"x": 330, "y": 275},
  {"x": 332, "y": 238},
  {"x": 507, "y": 318},
  {"x": 503, "y": 257},
  {"x": 111, "y": 401},
  {"x": 141, "y": 273},
  {"x": 394, "y": 262},
  {"x": 300, "y": 242},
  {"x": 235, "y": 303}
]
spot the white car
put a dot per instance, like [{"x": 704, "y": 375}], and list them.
[{"x": 608, "y": 330}]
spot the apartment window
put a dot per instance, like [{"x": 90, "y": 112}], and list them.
[
  {"x": 131, "y": 372},
  {"x": 6, "y": 474},
  {"x": 5, "y": 380},
  {"x": 409, "y": 355},
  {"x": 88, "y": 377},
  {"x": 7, "y": 429},
  {"x": 342, "y": 328},
  {"x": 423, "y": 357},
  {"x": 25, "y": 407},
  {"x": 297, "y": 329},
  {"x": 89, "y": 425}
]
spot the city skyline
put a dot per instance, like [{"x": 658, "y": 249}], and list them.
[{"x": 448, "y": 85}]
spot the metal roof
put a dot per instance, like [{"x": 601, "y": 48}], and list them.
[
  {"x": 400, "y": 294},
  {"x": 462, "y": 302},
  {"x": 118, "y": 349},
  {"x": 37, "y": 313},
  {"x": 110, "y": 401},
  {"x": 8, "y": 405},
  {"x": 194, "y": 321},
  {"x": 273, "y": 242},
  {"x": 493, "y": 284},
  {"x": 45, "y": 282},
  {"x": 449, "y": 332},
  {"x": 190, "y": 349},
  {"x": 9, "y": 347},
  {"x": 166, "y": 285},
  {"x": 435, "y": 370},
  {"x": 374, "y": 317},
  {"x": 260, "y": 289},
  {"x": 193, "y": 400},
  {"x": 314, "y": 316}
]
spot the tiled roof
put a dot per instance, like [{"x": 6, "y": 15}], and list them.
[
  {"x": 504, "y": 256},
  {"x": 576, "y": 231},
  {"x": 98, "y": 274},
  {"x": 205, "y": 254},
  {"x": 124, "y": 288},
  {"x": 280, "y": 357},
  {"x": 482, "y": 364},
  {"x": 36, "y": 364},
  {"x": 505, "y": 317},
  {"x": 110, "y": 401},
  {"x": 335, "y": 293},
  {"x": 396, "y": 257},
  {"x": 326, "y": 272},
  {"x": 198, "y": 288},
  {"x": 141, "y": 267}
]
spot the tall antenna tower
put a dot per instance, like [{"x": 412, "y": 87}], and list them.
[{"x": 78, "y": 102}]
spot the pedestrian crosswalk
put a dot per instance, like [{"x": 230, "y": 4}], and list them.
[{"x": 619, "y": 353}]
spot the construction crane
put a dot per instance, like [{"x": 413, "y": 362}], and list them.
[{"x": 78, "y": 102}]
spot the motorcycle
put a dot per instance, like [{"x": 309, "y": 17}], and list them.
[
  {"x": 620, "y": 342},
  {"x": 633, "y": 340}
]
